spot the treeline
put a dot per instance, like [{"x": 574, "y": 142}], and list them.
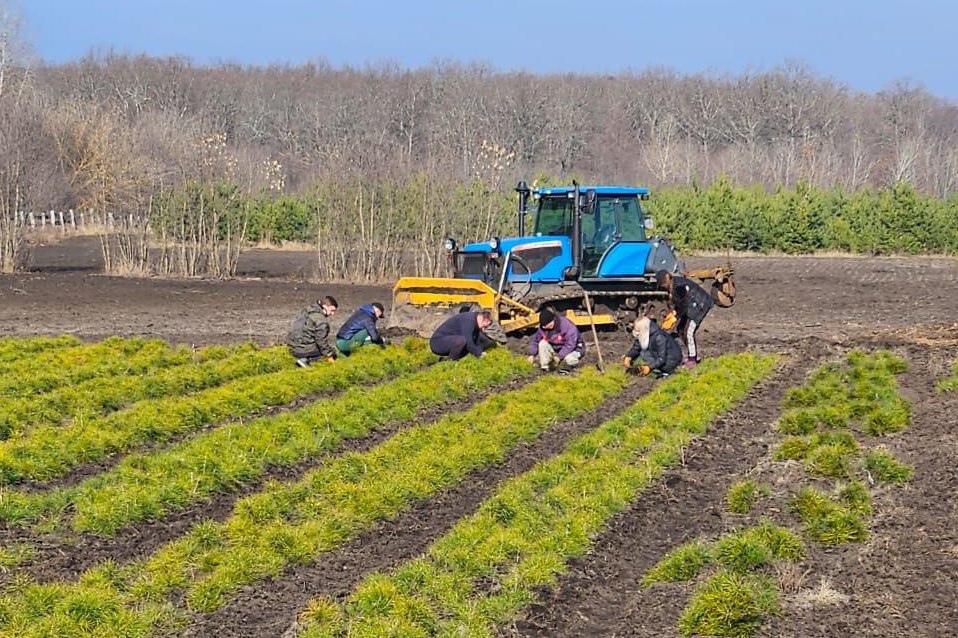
[
  {"x": 803, "y": 219},
  {"x": 377, "y": 231},
  {"x": 342, "y": 149}
]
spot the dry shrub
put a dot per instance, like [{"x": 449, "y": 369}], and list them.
[{"x": 824, "y": 595}]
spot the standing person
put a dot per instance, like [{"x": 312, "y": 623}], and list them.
[
  {"x": 653, "y": 349},
  {"x": 459, "y": 334},
  {"x": 360, "y": 328},
  {"x": 556, "y": 342},
  {"x": 691, "y": 303},
  {"x": 308, "y": 336}
]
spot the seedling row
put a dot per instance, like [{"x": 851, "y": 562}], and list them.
[{"x": 489, "y": 566}]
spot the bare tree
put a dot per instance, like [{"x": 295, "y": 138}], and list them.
[{"x": 17, "y": 131}]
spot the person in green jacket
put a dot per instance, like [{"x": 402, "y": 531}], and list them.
[{"x": 308, "y": 337}]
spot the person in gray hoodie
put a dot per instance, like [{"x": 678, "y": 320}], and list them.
[{"x": 653, "y": 349}]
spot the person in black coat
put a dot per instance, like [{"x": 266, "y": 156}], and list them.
[
  {"x": 460, "y": 334},
  {"x": 653, "y": 349},
  {"x": 691, "y": 304}
]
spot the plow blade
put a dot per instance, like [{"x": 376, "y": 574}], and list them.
[
  {"x": 443, "y": 291},
  {"x": 420, "y": 304}
]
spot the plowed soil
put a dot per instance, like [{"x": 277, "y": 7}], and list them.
[{"x": 902, "y": 582}]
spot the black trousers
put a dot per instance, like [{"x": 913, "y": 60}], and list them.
[
  {"x": 310, "y": 354},
  {"x": 451, "y": 346}
]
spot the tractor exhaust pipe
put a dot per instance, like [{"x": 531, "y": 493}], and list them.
[{"x": 523, "y": 189}]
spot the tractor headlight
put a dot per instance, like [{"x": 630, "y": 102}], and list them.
[
  {"x": 494, "y": 243},
  {"x": 449, "y": 244}
]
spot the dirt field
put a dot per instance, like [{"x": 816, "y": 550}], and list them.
[{"x": 902, "y": 582}]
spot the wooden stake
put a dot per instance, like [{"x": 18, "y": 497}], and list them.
[{"x": 595, "y": 335}]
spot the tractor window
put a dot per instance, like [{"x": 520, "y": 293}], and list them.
[
  {"x": 620, "y": 216},
  {"x": 554, "y": 216},
  {"x": 588, "y": 227}
]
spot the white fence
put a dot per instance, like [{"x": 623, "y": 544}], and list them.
[{"x": 67, "y": 220}]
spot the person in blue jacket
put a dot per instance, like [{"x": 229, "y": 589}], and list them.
[{"x": 360, "y": 328}]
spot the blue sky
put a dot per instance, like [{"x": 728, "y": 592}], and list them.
[{"x": 866, "y": 44}]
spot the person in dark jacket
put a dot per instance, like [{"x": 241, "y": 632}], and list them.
[
  {"x": 308, "y": 336},
  {"x": 461, "y": 334},
  {"x": 691, "y": 304},
  {"x": 653, "y": 349},
  {"x": 557, "y": 342},
  {"x": 360, "y": 328}
]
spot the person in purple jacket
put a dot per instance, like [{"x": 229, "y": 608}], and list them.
[
  {"x": 557, "y": 342},
  {"x": 461, "y": 334}
]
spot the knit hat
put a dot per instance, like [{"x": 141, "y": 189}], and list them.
[{"x": 546, "y": 316}]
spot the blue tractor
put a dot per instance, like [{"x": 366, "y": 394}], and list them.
[{"x": 588, "y": 255}]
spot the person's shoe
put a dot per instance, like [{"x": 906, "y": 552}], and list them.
[
  {"x": 544, "y": 368},
  {"x": 690, "y": 363},
  {"x": 302, "y": 363}
]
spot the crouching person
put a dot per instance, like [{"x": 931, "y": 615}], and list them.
[
  {"x": 557, "y": 342},
  {"x": 653, "y": 349},
  {"x": 308, "y": 337},
  {"x": 360, "y": 329},
  {"x": 461, "y": 334}
]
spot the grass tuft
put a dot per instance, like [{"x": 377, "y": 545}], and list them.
[
  {"x": 730, "y": 604},
  {"x": 742, "y": 496},
  {"x": 885, "y": 468},
  {"x": 681, "y": 564}
]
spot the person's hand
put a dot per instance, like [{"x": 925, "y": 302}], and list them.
[
  {"x": 669, "y": 321},
  {"x": 531, "y": 359},
  {"x": 331, "y": 359},
  {"x": 627, "y": 362},
  {"x": 645, "y": 370}
]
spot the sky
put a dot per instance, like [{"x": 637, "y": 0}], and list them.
[{"x": 868, "y": 45}]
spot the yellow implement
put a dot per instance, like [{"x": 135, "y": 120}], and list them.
[{"x": 422, "y": 303}]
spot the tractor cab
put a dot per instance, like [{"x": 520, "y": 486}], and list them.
[{"x": 611, "y": 230}]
